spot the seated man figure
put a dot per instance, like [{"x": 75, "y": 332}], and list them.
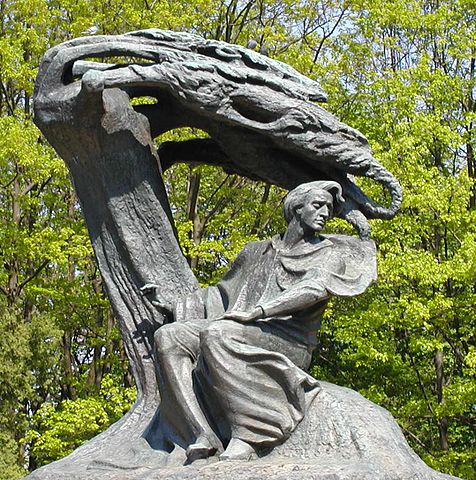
[{"x": 231, "y": 365}]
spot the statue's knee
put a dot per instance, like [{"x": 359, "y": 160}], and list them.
[
  {"x": 168, "y": 338},
  {"x": 217, "y": 333}
]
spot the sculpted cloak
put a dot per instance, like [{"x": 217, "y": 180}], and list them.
[{"x": 250, "y": 378}]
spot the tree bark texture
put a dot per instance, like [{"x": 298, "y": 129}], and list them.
[{"x": 107, "y": 147}]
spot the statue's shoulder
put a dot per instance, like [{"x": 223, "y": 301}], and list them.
[{"x": 253, "y": 249}]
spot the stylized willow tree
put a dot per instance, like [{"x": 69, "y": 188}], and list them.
[{"x": 263, "y": 122}]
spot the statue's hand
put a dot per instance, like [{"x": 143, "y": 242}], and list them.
[
  {"x": 243, "y": 317},
  {"x": 151, "y": 289},
  {"x": 163, "y": 305}
]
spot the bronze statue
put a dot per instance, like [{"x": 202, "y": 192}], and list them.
[
  {"x": 249, "y": 333},
  {"x": 235, "y": 377}
]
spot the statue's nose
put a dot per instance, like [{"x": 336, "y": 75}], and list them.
[{"x": 324, "y": 211}]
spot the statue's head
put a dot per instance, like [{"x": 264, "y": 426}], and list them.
[{"x": 313, "y": 203}]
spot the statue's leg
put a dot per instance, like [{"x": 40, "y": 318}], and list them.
[
  {"x": 177, "y": 347},
  {"x": 252, "y": 373}
]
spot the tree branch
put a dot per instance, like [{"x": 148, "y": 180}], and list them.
[
  {"x": 33, "y": 275},
  {"x": 325, "y": 36},
  {"x": 6, "y": 185},
  {"x": 427, "y": 449}
]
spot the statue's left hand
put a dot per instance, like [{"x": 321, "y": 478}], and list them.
[{"x": 149, "y": 288}]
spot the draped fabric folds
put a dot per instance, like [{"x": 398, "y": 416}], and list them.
[{"x": 263, "y": 395}]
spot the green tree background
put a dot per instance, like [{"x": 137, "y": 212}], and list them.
[{"x": 402, "y": 72}]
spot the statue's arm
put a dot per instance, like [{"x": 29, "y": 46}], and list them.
[
  {"x": 303, "y": 295},
  {"x": 209, "y": 302},
  {"x": 299, "y": 297},
  {"x": 342, "y": 276},
  {"x": 311, "y": 290},
  {"x": 200, "y": 303}
]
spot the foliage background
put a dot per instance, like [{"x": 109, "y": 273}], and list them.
[{"x": 402, "y": 72}]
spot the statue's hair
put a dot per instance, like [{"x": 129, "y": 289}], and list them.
[{"x": 298, "y": 196}]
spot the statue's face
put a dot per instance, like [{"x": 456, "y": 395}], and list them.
[{"x": 315, "y": 212}]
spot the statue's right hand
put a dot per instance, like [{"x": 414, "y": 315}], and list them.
[
  {"x": 163, "y": 305},
  {"x": 148, "y": 288},
  {"x": 152, "y": 290}
]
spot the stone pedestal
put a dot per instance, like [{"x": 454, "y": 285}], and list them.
[{"x": 343, "y": 437}]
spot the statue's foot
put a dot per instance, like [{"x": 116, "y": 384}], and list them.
[
  {"x": 204, "y": 447},
  {"x": 238, "y": 450}
]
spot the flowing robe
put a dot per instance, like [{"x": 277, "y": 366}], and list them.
[{"x": 250, "y": 378}]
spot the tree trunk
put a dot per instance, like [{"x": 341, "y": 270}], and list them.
[
  {"x": 440, "y": 383},
  {"x": 68, "y": 390},
  {"x": 109, "y": 152},
  {"x": 471, "y": 162},
  {"x": 192, "y": 213}
]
